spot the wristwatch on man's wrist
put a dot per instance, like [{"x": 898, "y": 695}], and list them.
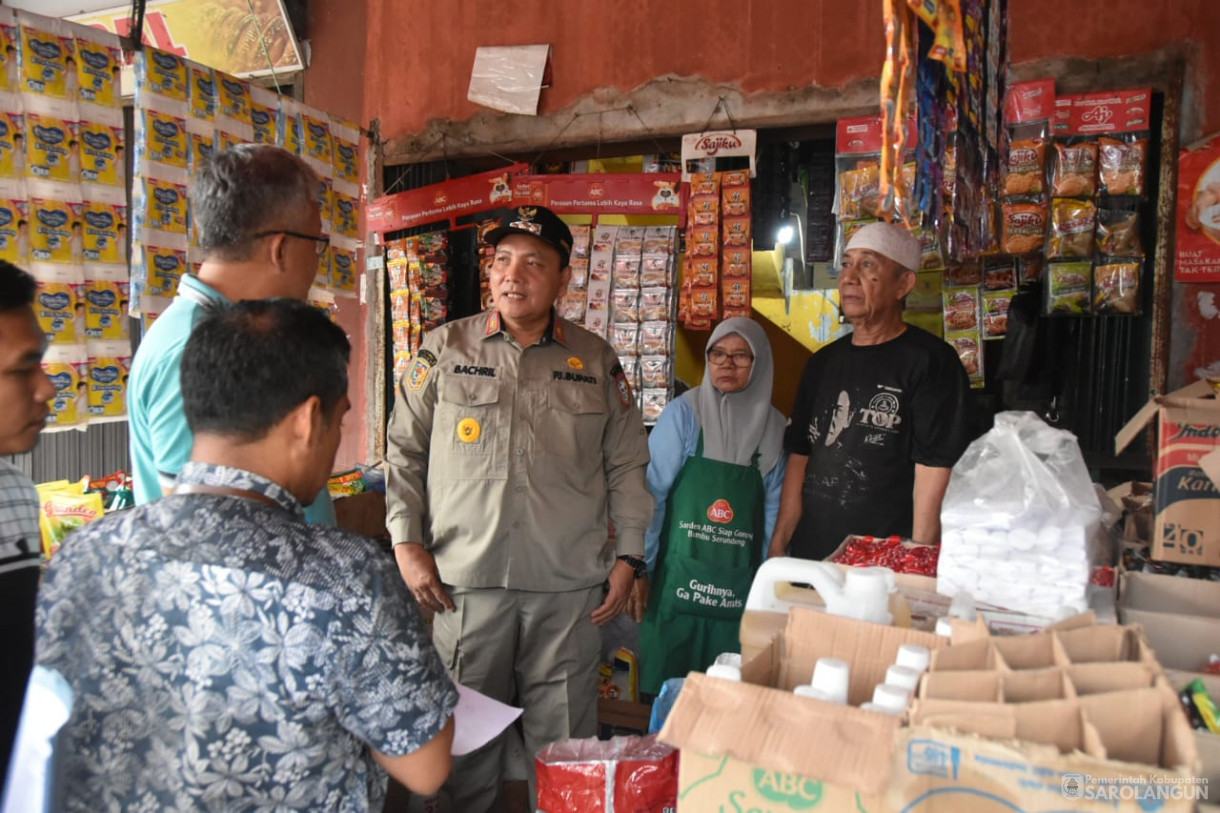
[{"x": 638, "y": 565}]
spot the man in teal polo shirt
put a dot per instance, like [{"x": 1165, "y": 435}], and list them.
[{"x": 256, "y": 219}]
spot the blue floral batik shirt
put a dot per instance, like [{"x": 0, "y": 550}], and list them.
[{"x": 225, "y": 655}]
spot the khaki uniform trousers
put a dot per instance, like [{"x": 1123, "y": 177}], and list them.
[{"x": 539, "y": 651}]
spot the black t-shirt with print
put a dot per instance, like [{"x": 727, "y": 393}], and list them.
[{"x": 865, "y": 415}]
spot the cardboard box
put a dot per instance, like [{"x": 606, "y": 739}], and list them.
[
  {"x": 755, "y": 746},
  {"x": 1180, "y": 616},
  {"x": 363, "y": 513},
  {"x": 1187, "y": 526}
]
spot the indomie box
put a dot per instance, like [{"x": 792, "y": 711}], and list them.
[{"x": 1187, "y": 527}]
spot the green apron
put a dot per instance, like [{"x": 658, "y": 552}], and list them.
[{"x": 710, "y": 549}]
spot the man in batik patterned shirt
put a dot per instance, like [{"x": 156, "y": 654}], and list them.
[{"x": 224, "y": 654}]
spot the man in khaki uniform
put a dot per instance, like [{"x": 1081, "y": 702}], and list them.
[{"x": 514, "y": 437}]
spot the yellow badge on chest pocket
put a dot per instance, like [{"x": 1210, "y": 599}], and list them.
[
  {"x": 468, "y": 430},
  {"x": 575, "y": 363}
]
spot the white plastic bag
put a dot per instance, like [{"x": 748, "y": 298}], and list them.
[{"x": 1019, "y": 519}]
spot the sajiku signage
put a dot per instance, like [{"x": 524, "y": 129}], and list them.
[{"x": 719, "y": 144}]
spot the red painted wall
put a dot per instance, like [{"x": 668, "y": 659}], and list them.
[
  {"x": 421, "y": 54},
  {"x": 335, "y": 83}
]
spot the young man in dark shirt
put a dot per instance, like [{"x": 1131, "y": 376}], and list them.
[{"x": 880, "y": 415}]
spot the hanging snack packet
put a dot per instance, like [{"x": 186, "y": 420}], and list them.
[
  {"x": 654, "y": 304},
  {"x": 655, "y": 338},
  {"x": 623, "y": 337},
  {"x": 652, "y": 403},
  {"x": 1075, "y": 169},
  {"x": 1123, "y": 165},
  {"x": 1116, "y": 289},
  {"x": 63, "y": 510},
  {"x": 1030, "y": 268},
  {"x": 164, "y": 74},
  {"x": 571, "y": 306},
  {"x": 1024, "y": 227},
  {"x": 969, "y": 349},
  {"x": 1028, "y": 108},
  {"x": 858, "y": 145},
  {"x": 625, "y": 306},
  {"x": 1118, "y": 234},
  {"x": 1068, "y": 286},
  {"x": 656, "y": 371},
  {"x": 12, "y": 148},
  {"x": 1072, "y": 224},
  {"x": 961, "y": 309},
  {"x": 966, "y": 273},
  {"x": 995, "y": 313},
  {"x": 999, "y": 273}
]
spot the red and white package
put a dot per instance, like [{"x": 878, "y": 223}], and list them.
[{"x": 638, "y": 774}]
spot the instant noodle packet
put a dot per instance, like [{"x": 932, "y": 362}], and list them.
[
  {"x": 1116, "y": 289},
  {"x": 1118, "y": 234},
  {"x": 1067, "y": 288},
  {"x": 1072, "y": 224}
]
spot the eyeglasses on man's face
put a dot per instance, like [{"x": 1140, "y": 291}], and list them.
[
  {"x": 740, "y": 359},
  {"x": 321, "y": 241}
]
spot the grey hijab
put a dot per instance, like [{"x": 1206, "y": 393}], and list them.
[{"x": 737, "y": 424}]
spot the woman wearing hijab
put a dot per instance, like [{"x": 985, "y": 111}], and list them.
[{"x": 716, "y": 472}]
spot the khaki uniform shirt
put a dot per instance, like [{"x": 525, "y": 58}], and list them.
[{"x": 505, "y": 461}]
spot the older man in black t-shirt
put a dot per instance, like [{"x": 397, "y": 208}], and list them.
[{"x": 880, "y": 416}]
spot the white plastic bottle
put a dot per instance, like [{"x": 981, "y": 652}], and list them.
[
  {"x": 832, "y": 677},
  {"x": 903, "y": 676},
  {"x": 891, "y": 699},
  {"x": 914, "y": 656}
]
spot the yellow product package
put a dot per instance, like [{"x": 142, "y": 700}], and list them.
[
  {"x": 263, "y": 118},
  {"x": 109, "y": 366},
  {"x": 326, "y": 202},
  {"x": 164, "y": 205},
  {"x": 317, "y": 139},
  {"x": 234, "y": 98},
  {"x": 165, "y": 266},
  {"x": 344, "y": 214},
  {"x": 12, "y": 150},
  {"x": 202, "y": 149},
  {"x": 57, "y": 303},
  {"x": 164, "y": 74},
  {"x": 97, "y": 72},
  {"x": 226, "y": 140},
  {"x": 8, "y": 57},
  {"x": 322, "y": 276},
  {"x": 101, "y": 153},
  {"x": 62, "y": 511},
  {"x": 44, "y": 63},
  {"x": 66, "y": 367},
  {"x": 292, "y": 137},
  {"x": 203, "y": 93},
  {"x": 343, "y": 270},
  {"x": 166, "y": 139},
  {"x": 14, "y": 230},
  {"x": 104, "y": 237},
  {"x": 347, "y": 159},
  {"x": 346, "y": 483},
  {"x": 55, "y": 227},
  {"x": 49, "y": 147},
  {"x": 107, "y": 292}
]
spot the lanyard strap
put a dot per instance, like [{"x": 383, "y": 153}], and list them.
[{"x": 225, "y": 491}]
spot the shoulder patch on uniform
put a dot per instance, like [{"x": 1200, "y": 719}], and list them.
[
  {"x": 620, "y": 383},
  {"x": 421, "y": 366}
]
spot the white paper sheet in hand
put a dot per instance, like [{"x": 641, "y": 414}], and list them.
[{"x": 480, "y": 720}]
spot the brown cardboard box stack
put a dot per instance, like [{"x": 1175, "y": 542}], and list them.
[{"x": 1072, "y": 717}]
